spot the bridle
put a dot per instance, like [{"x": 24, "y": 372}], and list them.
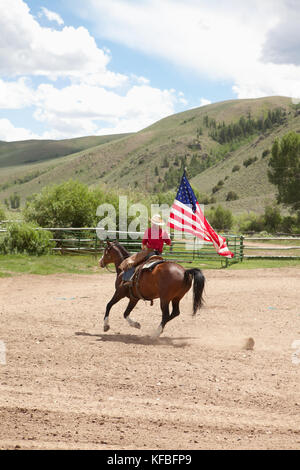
[{"x": 106, "y": 250}]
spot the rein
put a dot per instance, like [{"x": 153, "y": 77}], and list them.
[
  {"x": 122, "y": 257},
  {"x": 110, "y": 270}
]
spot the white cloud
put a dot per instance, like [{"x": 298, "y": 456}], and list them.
[
  {"x": 95, "y": 100},
  {"x": 282, "y": 44},
  {"x": 78, "y": 109},
  {"x": 217, "y": 40},
  {"x": 29, "y": 49},
  {"x": 204, "y": 102},
  {"x": 8, "y": 132},
  {"x": 82, "y": 109},
  {"x": 16, "y": 94},
  {"x": 52, "y": 16}
]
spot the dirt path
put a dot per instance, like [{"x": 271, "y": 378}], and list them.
[{"x": 66, "y": 384}]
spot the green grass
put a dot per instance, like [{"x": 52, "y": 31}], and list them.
[
  {"x": 56, "y": 264},
  {"x": 48, "y": 264},
  {"x": 266, "y": 263}
]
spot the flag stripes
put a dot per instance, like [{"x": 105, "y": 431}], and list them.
[{"x": 186, "y": 216}]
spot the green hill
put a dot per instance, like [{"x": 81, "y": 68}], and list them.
[
  {"x": 208, "y": 141},
  {"x": 32, "y": 151}
]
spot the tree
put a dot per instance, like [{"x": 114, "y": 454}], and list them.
[
  {"x": 70, "y": 204},
  {"x": 272, "y": 219},
  {"x": 221, "y": 219},
  {"x": 2, "y": 213},
  {"x": 25, "y": 238},
  {"x": 14, "y": 201},
  {"x": 285, "y": 169}
]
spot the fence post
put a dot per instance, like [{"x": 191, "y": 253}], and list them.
[{"x": 241, "y": 247}]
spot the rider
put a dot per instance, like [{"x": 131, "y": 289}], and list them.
[
  {"x": 155, "y": 237},
  {"x": 152, "y": 244}
]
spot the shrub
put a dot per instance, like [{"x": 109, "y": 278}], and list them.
[
  {"x": 236, "y": 168},
  {"x": 70, "y": 204},
  {"x": 272, "y": 219},
  {"x": 289, "y": 224},
  {"x": 220, "y": 218},
  {"x": 231, "y": 196},
  {"x": 251, "y": 223},
  {"x": 24, "y": 238},
  {"x": 202, "y": 198},
  {"x": 165, "y": 163},
  {"x": 15, "y": 201},
  {"x": 265, "y": 153},
  {"x": 249, "y": 161},
  {"x": 218, "y": 186},
  {"x": 2, "y": 213}
]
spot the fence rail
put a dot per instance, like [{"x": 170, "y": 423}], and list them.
[
  {"x": 272, "y": 247},
  {"x": 82, "y": 240},
  {"x": 85, "y": 240}
]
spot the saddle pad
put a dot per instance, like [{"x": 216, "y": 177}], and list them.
[
  {"x": 127, "y": 275},
  {"x": 151, "y": 264}
]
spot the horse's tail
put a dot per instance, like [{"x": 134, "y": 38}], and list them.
[{"x": 198, "y": 287}]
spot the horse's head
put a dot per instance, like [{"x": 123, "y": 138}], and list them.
[{"x": 108, "y": 255}]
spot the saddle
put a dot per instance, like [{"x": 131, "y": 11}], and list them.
[
  {"x": 148, "y": 264},
  {"x": 132, "y": 276}
]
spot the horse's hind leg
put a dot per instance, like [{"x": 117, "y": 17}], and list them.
[
  {"x": 129, "y": 308},
  {"x": 118, "y": 295},
  {"x": 175, "y": 311},
  {"x": 166, "y": 316},
  {"x": 164, "y": 305}
]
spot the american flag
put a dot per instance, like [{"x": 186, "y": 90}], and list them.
[{"x": 186, "y": 215}]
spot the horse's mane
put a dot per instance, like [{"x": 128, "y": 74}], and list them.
[{"x": 123, "y": 250}]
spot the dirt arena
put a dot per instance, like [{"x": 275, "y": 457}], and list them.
[{"x": 65, "y": 384}]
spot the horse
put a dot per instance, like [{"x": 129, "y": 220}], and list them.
[{"x": 167, "y": 281}]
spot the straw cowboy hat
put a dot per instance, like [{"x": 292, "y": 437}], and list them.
[{"x": 157, "y": 220}]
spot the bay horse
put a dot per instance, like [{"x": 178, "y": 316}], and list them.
[{"x": 168, "y": 281}]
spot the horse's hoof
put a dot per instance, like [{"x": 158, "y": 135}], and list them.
[
  {"x": 156, "y": 334},
  {"x": 137, "y": 325},
  {"x": 106, "y": 327}
]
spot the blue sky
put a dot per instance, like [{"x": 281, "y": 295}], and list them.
[{"x": 70, "y": 68}]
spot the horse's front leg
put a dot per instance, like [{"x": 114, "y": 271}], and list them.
[
  {"x": 129, "y": 308},
  {"x": 118, "y": 295}
]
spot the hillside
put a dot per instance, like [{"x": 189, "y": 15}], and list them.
[
  {"x": 33, "y": 151},
  {"x": 152, "y": 159}
]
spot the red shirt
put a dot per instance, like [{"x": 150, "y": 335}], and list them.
[{"x": 155, "y": 238}]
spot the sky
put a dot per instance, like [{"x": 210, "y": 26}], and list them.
[{"x": 72, "y": 68}]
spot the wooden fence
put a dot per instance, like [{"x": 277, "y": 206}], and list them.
[
  {"x": 283, "y": 247},
  {"x": 85, "y": 240}
]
